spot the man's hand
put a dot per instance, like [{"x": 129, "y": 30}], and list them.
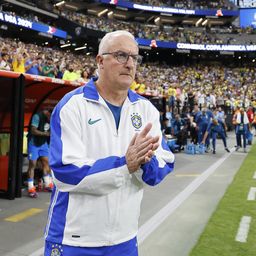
[
  {"x": 141, "y": 149},
  {"x": 47, "y": 134}
]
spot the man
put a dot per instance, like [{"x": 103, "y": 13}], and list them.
[
  {"x": 215, "y": 128},
  {"x": 180, "y": 131},
  {"x": 242, "y": 127},
  {"x": 38, "y": 150},
  {"x": 106, "y": 143},
  {"x": 206, "y": 118},
  {"x": 172, "y": 96},
  {"x": 220, "y": 115},
  {"x": 49, "y": 69},
  {"x": 191, "y": 100},
  {"x": 33, "y": 65},
  {"x": 4, "y": 63},
  {"x": 70, "y": 74}
]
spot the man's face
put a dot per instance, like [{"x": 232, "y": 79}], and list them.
[
  {"x": 196, "y": 109},
  {"x": 6, "y": 57},
  {"x": 119, "y": 75},
  {"x": 215, "y": 121},
  {"x": 71, "y": 67},
  {"x": 33, "y": 55},
  {"x": 47, "y": 113}
]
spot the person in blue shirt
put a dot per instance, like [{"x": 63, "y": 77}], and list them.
[
  {"x": 215, "y": 128},
  {"x": 180, "y": 131},
  {"x": 177, "y": 125},
  {"x": 202, "y": 122},
  {"x": 38, "y": 149},
  {"x": 207, "y": 116},
  {"x": 32, "y": 65},
  {"x": 220, "y": 115}
]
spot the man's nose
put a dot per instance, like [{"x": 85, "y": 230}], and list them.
[{"x": 130, "y": 62}]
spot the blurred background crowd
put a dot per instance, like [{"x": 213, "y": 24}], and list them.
[{"x": 211, "y": 85}]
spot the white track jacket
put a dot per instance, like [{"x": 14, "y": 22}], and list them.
[{"x": 96, "y": 202}]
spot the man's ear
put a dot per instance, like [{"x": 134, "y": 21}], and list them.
[{"x": 99, "y": 60}]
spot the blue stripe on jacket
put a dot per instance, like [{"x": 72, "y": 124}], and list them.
[
  {"x": 54, "y": 231},
  {"x": 70, "y": 173},
  {"x": 152, "y": 177}
]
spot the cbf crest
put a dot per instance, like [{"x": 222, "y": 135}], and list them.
[
  {"x": 136, "y": 120},
  {"x": 56, "y": 250}
]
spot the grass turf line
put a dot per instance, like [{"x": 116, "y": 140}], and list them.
[{"x": 218, "y": 238}]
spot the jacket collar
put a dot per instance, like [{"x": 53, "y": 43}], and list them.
[{"x": 91, "y": 93}]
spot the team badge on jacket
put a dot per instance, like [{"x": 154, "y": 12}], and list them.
[
  {"x": 136, "y": 120},
  {"x": 56, "y": 250}
]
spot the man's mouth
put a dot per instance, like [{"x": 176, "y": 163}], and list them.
[{"x": 124, "y": 74}]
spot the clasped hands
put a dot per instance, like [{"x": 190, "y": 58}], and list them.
[{"x": 141, "y": 149}]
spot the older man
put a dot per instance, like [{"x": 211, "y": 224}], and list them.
[{"x": 106, "y": 143}]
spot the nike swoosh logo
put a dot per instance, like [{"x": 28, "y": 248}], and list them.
[{"x": 93, "y": 121}]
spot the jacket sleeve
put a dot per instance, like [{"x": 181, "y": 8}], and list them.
[
  {"x": 72, "y": 170},
  {"x": 162, "y": 163}
]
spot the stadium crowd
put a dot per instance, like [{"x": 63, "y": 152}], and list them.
[
  {"x": 164, "y": 33},
  {"x": 37, "y": 60},
  {"x": 232, "y": 85},
  {"x": 187, "y": 88},
  {"x": 179, "y": 34}
]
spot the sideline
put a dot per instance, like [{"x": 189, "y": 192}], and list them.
[{"x": 147, "y": 228}]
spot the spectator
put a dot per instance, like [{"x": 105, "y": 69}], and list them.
[
  {"x": 33, "y": 66},
  {"x": 70, "y": 74},
  {"x": 84, "y": 76},
  {"x": 19, "y": 59},
  {"x": 49, "y": 69},
  {"x": 5, "y": 64}
]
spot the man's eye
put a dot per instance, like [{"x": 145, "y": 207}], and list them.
[
  {"x": 122, "y": 55},
  {"x": 134, "y": 57}
]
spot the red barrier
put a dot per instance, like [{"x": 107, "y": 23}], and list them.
[
  {"x": 4, "y": 161},
  {"x": 9, "y": 74},
  {"x": 41, "y": 92}
]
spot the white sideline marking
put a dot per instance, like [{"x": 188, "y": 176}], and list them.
[
  {"x": 254, "y": 176},
  {"x": 147, "y": 228},
  {"x": 252, "y": 194},
  {"x": 243, "y": 229}
]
